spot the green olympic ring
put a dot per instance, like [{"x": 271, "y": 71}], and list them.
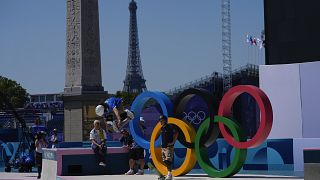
[{"x": 202, "y": 151}]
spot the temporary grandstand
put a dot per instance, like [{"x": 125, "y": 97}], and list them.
[
  {"x": 246, "y": 75},
  {"x": 50, "y": 113}
]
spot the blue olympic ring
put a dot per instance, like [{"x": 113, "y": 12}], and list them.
[{"x": 137, "y": 107}]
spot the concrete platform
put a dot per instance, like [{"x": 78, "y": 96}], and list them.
[
  {"x": 311, "y": 163},
  {"x": 29, "y": 176},
  {"x": 82, "y": 161}
]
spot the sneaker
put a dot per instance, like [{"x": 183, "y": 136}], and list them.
[
  {"x": 115, "y": 126},
  {"x": 109, "y": 122},
  {"x": 130, "y": 172},
  {"x": 129, "y": 114},
  {"x": 168, "y": 177},
  {"x": 102, "y": 164},
  {"x": 140, "y": 172}
]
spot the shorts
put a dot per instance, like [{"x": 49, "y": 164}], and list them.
[
  {"x": 167, "y": 154},
  {"x": 136, "y": 153}
]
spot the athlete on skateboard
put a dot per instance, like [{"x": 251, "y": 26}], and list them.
[{"x": 114, "y": 105}]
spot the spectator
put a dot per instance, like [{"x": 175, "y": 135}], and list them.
[
  {"x": 54, "y": 139},
  {"x": 135, "y": 153},
  {"x": 40, "y": 143},
  {"x": 142, "y": 126},
  {"x": 98, "y": 138},
  {"x": 139, "y": 150}
]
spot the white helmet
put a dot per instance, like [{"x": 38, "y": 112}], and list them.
[{"x": 100, "y": 110}]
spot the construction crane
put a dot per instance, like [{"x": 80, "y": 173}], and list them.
[{"x": 226, "y": 45}]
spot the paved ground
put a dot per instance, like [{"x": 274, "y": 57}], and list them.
[
  {"x": 188, "y": 177},
  {"x": 29, "y": 176}
]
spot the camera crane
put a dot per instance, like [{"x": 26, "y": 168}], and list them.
[{"x": 25, "y": 138}]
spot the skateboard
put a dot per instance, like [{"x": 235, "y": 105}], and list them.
[{"x": 126, "y": 117}]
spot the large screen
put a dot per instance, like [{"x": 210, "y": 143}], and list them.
[{"x": 292, "y": 29}]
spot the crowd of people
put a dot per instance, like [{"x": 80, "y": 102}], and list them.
[{"x": 44, "y": 105}]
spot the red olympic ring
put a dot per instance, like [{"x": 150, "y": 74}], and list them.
[{"x": 265, "y": 109}]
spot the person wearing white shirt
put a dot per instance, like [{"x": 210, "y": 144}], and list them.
[
  {"x": 54, "y": 139},
  {"x": 98, "y": 138}
]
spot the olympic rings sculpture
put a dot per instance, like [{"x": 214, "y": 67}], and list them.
[{"x": 197, "y": 143}]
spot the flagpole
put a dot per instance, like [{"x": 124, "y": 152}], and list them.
[{"x": 248, "y": 57}]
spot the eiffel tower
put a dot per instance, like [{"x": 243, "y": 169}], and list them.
[{"x": 134, "y": 81}]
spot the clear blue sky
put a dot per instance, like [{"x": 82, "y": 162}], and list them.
[{"x": 180, "y": 40}]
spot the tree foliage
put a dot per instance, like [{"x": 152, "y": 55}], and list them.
[
  {"x": 126, "y": 97},
  {"x": 13, "y": 92}
]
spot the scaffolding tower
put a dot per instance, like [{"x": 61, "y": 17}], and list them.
[{"x": 226, "y": 45}]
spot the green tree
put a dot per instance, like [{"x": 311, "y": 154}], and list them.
[
  {"x": 128, "y": 98},
  {"x": 13, "y": 92}
]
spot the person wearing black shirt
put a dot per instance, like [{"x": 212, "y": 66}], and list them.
[
  {"x": 126, "y": 138},
  {"x": 135, "y": 152},
  {"x": 139, "y": 150},
  {"x": 40, "y": 143},
  {"x": 169, "y": 136}
]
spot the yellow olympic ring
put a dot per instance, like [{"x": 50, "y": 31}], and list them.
[{"x": 190, "y": 159}]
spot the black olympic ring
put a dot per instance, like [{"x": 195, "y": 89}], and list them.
[{"x": 180, "y": 104}]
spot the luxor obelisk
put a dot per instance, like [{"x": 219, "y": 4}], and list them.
[{"x": 83, "y": 86}]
